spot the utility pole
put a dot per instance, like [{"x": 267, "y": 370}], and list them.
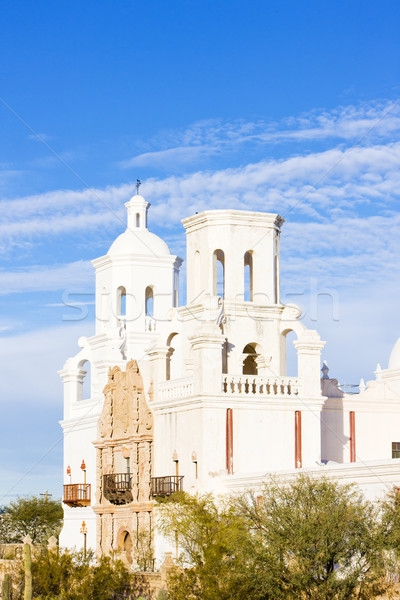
[{"x": 46, "y": 495}]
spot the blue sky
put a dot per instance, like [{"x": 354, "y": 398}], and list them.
[{"x": 289, "y": 107}]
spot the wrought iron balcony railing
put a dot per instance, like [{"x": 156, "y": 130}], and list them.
[
  {"x": 77, "y": 494},
  {"x": 166, "y": 486},
  {"x": 117, "y": 488}
]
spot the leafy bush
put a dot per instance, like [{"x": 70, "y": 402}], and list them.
[{"x": 70, "y": 576}]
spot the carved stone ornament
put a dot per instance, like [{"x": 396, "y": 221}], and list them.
[{"x": 124, "y": 456}]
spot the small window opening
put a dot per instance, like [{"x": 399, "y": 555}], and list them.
[
  {"x": 395, "y": 449},
  {"x": 137, "y": 220}
]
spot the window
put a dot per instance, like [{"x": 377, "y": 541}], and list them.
[{"x": 395, "y": 449}]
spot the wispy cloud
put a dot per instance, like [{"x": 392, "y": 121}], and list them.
[
  {"x": 181, "y": 154},
  {"x": 317, "y": 184},
  {"x": 207, "y": 138},
  {"x": 40, "y": 136},
  {"x": 45, "y": 278}
]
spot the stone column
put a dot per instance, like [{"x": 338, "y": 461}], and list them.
[
  {"x": 309, "y": 361},
  {"x": 207, "y": 345},
  {"x": 73, "y": 382},
  {"x": 158, "y": 359}
]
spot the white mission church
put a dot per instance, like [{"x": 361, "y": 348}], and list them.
[{"x": 197, "y": 397}]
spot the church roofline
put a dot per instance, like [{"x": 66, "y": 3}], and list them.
[
  {"x": 138, "y": 259},
  {"x": 233, "y": 217}
]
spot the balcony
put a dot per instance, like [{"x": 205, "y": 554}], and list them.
[
  {"x": 166, "y": 486},
  {"x": 77, "y": 494},
  {"x": 117, "y": 488}
]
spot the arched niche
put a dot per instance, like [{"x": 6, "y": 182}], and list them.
[
  {"x": 289, "y": 360},
  {"x": 219, "y": 273},
  {"x": 125, "y": 544},
  {"x": 84, "y": 380},
  {"x": 248, "y": 276}
]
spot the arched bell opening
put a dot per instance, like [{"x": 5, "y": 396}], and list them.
[
  {"x": 219, "y": 273},
  {"x": 289, "y": 358},
  {"x": 121, "y": 301},
  {"x": 174, "y": 366},
  {"x": 149, "y": 308},
  {"x": 248, "y": 276},
  {"x": 250, "y": 355}
]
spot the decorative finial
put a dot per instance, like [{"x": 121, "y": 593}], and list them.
[
  {"x": 138, "y": 184},
  {"x": 325, "y": 370}
]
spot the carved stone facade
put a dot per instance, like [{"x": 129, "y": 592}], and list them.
[{"x": 124, "y": 467}]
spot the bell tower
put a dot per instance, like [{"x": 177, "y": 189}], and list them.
[{"x": 222, "y": 245}]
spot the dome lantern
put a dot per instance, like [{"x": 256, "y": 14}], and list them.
[{"x": 137, "y": 208}]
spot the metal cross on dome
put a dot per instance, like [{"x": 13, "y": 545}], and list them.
[{"x": 138, "y": 184}]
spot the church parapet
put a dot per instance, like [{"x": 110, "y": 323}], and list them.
[{"x": 175, "y": 388}]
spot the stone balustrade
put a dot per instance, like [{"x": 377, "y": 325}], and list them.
[
  {"x": 251, "y": 385},
  {"x": 234, "y": 385},
  {"x": 175, "y": 388}
]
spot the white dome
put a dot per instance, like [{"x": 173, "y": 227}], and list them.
[
  {"x": 394, "y": 360},
  {"x": 138, "y": 241}
]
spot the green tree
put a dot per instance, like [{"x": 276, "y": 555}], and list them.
[
  {"x": 308, "y": 539},
  {"x": 216, "y": 556},
  {"x": 390, "y": 529},
  {"x": 324, "y": 536},
  {"x": 34, "y": 516}
]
